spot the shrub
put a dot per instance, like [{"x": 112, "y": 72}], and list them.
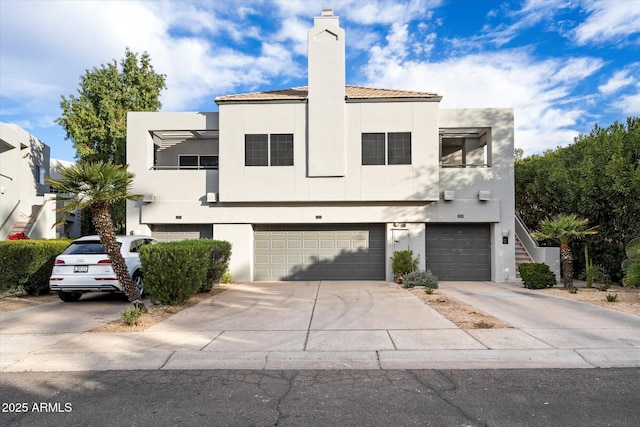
[
  {"x": 226, "y": 277},
  {"x": 27, "y": 264},
  {"x": 420, "y": 278},
  {"x": 403, "y": 262},
  {"x": 596, "y": 274},
  {"x": 572, "y": 289},
  {"x": 631, "y": 266},
  {"x": 612, "y": 297},
  {"x": 428, "y": 290},
  {"x": 174, "y": 271},
  {"x": 219, "y": 254},
  {"x": 130, "y": 315},
  {"x": 536, "y": 276}
]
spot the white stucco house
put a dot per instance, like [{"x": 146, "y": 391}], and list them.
[
  {"x": 26, "y": 204},
  {"x": 326, "y": 181}
]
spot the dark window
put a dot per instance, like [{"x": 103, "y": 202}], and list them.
[
  {"x": 397, "y": 144},
  {"x": 282, "y": 150},
  {"x": 188, "y": 162},
  {"x": 373, "y": 148},
  {"x": 208, "y": 162},
  {"x": 256, "y": 149},
  {"x": 399, "y": 148},
  {"x": 265, "y": 150}
]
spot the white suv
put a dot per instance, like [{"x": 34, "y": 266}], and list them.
[{"x": 85, "y": 267}]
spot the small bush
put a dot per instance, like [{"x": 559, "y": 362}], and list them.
[
  {"x": 572, "y": 289},
  {"x": 403, "y": 262},
  {"x": 420, "y": 278},
  {"x": 604, "y": 287},
  {"x": 226, "y": 277},
  {"x": 596, "y": 274},
  {"x": 219, "y": 254},
  {"x": 130, "y": 315},
  {"x": 536, "y": 276},
  {"x": 612, "y": 297},
  {"x": 631, "y": 266},
  {"x": 27, "y": 264},
  {"x": 174, "y": 271},
  {"x": 428, "y": 290}
]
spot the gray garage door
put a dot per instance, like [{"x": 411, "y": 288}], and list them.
[
  {"x": 459, "y": 251},
  {"x": 176, "y": 232},
  {"x": 319, "y": 252}
]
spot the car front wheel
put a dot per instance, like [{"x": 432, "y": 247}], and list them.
[
  {"x": 69, "y": 296},
  {"x": 137, "y": 280}
]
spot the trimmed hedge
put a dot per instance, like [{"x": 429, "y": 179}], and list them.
[
  {"x": 536, "y": 276},
  {"x": 176, "y": 271},
  {"x": 27, "y": 264}
]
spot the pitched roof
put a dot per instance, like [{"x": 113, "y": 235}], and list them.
[{"x": 353, "y": 93}]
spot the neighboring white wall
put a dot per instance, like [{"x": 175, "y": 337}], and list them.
[
  {"x": 42, "y": 227},
  {"x": 21, "y": 155}
]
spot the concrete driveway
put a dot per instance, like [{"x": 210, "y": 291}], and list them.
[{"x": 326, "y": 325}]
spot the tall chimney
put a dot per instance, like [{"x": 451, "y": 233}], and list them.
[{"x": 326, "y": 108}]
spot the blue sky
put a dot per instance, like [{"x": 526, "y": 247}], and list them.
[{"x": 563, "y": 65}]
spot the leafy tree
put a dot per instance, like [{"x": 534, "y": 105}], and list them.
[
  {"x": 631, "y": 265},
  {"x": 597, "y": 178},
  {"x": 562, "y": 229},
  {"x": 95, "y": 119},
  {"x": 97, "y": 186}
]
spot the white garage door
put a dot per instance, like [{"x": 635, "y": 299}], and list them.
[{"x": 319, "y": 252}]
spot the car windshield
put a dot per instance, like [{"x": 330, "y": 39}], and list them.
[{"x": 85, "y": 247}]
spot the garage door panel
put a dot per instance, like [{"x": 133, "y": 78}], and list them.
[
  {"x": 459, "y": 251},
  {"x": 326, "y": 252}
]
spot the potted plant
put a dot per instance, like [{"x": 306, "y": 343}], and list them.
[{"x": 403, "y": 262}]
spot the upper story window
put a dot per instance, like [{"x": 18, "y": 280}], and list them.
[
  {"x": 393, "y": 148},
  {"x": 197, "y": 161},
  {"x": 268, "y": 150},
  {"x": 465, "y": 147}
]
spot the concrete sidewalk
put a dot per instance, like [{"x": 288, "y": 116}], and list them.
[{"x": 337, "y": 325}]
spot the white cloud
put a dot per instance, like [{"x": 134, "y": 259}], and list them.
[
  {"x": 619, "y": 80},
  {"x": 539, "y": 91},
  {"x": 629, "y": 104},
  {"x": 608, "y": 21}
]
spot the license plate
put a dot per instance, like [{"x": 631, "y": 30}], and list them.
[{"x": 81, "y": 269}]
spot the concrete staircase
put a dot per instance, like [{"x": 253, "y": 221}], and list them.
[
  {"x": 522, "y": 256},
  {"x": 21, "y": 226}
]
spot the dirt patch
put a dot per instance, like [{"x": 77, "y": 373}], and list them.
[
  {"x": 463, "y": 315},
  {"x": 628, "y": 299},
  {"x": 16, "y": 302}
]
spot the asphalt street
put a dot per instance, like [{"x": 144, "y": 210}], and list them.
[{"x": 520, "y": 397}]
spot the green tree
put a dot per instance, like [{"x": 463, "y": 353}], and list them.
[
  {"x": 562, "y": 229},
  {"x": 597, "y": 178},
  {"x": 95, "y": 119},
  {"x": 631, "y": 265},
  {"x": 96, "y": 186}
]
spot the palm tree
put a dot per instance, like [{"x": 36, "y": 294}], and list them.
[
  {"x": 562, "y": 229},
  {"x": 96, "y": 186}
]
